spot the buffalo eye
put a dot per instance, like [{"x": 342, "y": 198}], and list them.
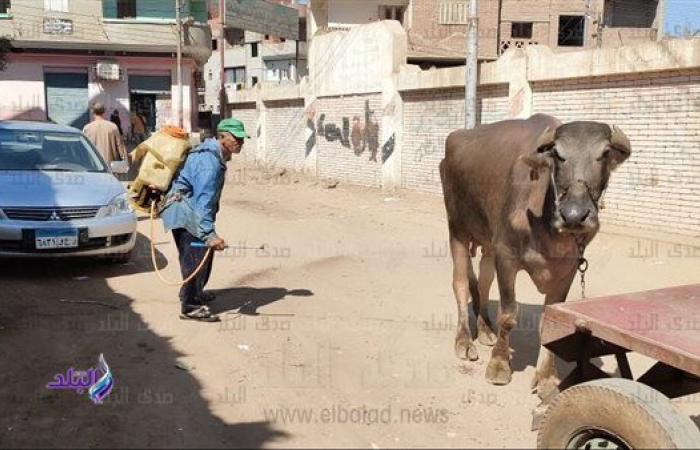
[
  {"x": 557, "y": 155},
  {"x": 604, "y": 155}
]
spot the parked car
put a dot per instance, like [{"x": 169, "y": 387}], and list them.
[{"x": 58, "y": 197}]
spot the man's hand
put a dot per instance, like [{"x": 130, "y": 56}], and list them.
[{"x": 217, "y": 244}]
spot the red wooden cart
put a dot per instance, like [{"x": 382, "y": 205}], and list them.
[{"x": 595, "y": 410}]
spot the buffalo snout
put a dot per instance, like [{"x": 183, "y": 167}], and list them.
[{"x": 574, "y": 214}]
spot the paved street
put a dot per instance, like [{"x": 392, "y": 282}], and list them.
[{"x": 339, "y": 334}]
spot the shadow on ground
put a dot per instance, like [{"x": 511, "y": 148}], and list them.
[
  {"x": 153, "y": 404},
  {"x": 525, "y": 337},
  {"x": 247, "y": 300}
]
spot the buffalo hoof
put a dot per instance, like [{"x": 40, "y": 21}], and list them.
[
  {"x": 465, "y": 349},
  {"x": 546, "y": 386},
  {"x": 498, "y": 371},
  {"x": 485, "y": 334}
]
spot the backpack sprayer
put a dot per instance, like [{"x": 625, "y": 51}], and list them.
[{"x": 163, "y": 154}]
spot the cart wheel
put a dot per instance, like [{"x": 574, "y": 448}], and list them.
[{"x": 615, "y": 413}]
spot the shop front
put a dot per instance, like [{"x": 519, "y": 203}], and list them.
[{"x": 61, "y": 88}]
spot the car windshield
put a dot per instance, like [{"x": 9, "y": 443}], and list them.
[{"x": 48, "y": 151}]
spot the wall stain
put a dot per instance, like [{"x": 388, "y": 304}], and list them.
[{"x": 388, "y": 148}]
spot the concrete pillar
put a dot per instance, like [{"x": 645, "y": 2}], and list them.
[
  {"x": 364, "y": 61},
  {"x": 392, "y": 134},
  {"x": 317, "y": 17},
  {"x": 261, "y": 131},
  {"x": 310, "y": 135},
  {"x": 519, "y": 89}
]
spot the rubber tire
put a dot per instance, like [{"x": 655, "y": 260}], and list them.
[{"x": 639, "y": 415}]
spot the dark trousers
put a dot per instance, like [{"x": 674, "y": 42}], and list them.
[{"x": 190, "y": 258}]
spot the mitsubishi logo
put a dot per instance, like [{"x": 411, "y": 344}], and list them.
[{"x": 54, "y": 216}]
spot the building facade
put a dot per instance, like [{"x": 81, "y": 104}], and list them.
[
  {"x": 251, "y": 58},
  {"x": 436, "y": 28},
  {"x": 68, "y": 54}
]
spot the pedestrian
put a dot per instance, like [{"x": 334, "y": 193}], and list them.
[
  {"x": 138, "y": 127},
  {"x": 117, "y": 121},
  {"x": 190, "y": 211},
  {"x": 105, "y": 136}
]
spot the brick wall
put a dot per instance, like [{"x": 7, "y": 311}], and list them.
[
  {"x": 429, "y": 116},
  {"x": 391, "y": 132},
  {"x": 659, "y": 186},
  {"x": 285, "y": 123},
  {"x": 428, "y": 35},
  {"x": 347, "y": 138},
  {"x": 248, "y": 114}
]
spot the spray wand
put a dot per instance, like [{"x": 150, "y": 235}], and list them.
[{"x": 203, "y": 245}]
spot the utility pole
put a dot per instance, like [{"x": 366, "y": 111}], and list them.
[
  {"x": 471, "y": 66},
  {"x": 178, "y": 96},
  {"x": 222, "y": 73}
]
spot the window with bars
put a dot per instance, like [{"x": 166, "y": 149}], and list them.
[
  {"x": 571, "y": 31},
  {"x": 453, "y": 12},
  {"x": 56, "y": 5},
  {"x": 234, "y": 37},
  {"x": 521, "y": 30},
  {"x": 234, "y": 75},
  {"x": 4, "y": 6},
  {"x": 126, "y": 9}
]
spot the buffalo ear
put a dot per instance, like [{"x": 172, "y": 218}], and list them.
[
  {"x": 620, "y": 148},
  {"x": 546, "y": 140},
  {"x": 541, "y": 159},
  {"x": 532, "y": 173},
  {"x": 537, "y": 162}
]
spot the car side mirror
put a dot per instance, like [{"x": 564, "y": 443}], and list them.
[{"x": 119, "y": 167}]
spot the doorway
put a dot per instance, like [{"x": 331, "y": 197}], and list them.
[
  {"x": 151, "y": 96},
  {"x": 145, "y": 105}
]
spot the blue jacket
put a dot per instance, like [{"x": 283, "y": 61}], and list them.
[{"x": 199, "y": 183}]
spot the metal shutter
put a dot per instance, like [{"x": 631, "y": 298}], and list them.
[{"x": 67, "y": 98}]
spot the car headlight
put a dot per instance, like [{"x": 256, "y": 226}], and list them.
[
  {"x": 2, "y": 215},
  {"x": 118, "y": 205}
]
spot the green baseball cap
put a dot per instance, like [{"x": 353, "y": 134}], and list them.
[{"x": 233, "y": 126}]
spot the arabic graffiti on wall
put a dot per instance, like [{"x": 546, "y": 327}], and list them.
[{"x": 357, "y": 133}]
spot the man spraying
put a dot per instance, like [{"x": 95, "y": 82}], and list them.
[{"x": 190, "y": 212}]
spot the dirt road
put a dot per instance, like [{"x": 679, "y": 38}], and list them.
[{"x": 340, "y": 334}]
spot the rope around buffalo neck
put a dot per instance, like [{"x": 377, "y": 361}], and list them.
[
  {"x": 582, "y": 263},
  {"x": 153, "y": 256},
  {"x": 580, "y": 240}
]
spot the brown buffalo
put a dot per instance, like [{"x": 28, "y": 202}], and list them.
[{"x": 526, "y": 192}]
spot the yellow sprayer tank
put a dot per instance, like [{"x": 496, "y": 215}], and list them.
[{"x": 163, "y": 154}]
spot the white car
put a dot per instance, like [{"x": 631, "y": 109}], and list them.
[{"x": 58, "y": 197}]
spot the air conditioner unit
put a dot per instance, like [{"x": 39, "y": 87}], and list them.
[
  {"x": 234, "y": 86},
  {"x": 108, "y": 70}
]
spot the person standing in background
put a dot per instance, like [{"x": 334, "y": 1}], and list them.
[
  {"x": 117, "y": 121},
  {"x": 105, "y": 136},
  {"x": 138, "y": 127}
]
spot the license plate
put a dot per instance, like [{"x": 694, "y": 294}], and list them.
[{"x": 60, "y": 238}]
